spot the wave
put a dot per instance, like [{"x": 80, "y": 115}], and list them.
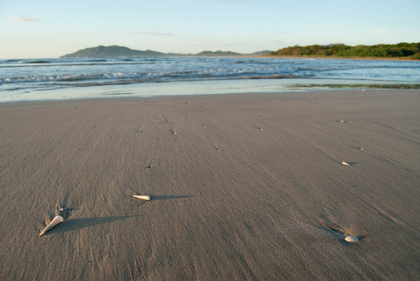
[
  {"x": 274, "y": 77},
  {"x": 39, "y": 61},
  {"x": 86, "y": 80},
  {"x": 89, "y": 63},
  {"x": 163, "y": 73},
  {"x": 51, "y": 73}
]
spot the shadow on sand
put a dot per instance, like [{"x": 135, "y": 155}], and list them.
[
  {"x": 169, "y": 197},
  {"x": 336, "y": 230},
  {"x": 76, "y": 224}
]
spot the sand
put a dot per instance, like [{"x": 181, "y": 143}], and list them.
[{"x": 243, "y": 187}]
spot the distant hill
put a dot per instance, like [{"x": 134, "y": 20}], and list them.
[
  {"x": 261, "y": 53},
  {"x": 217, "y": 54},
  {"x": 119, "y": 51},
  {"x": 112, "y": 51},
  {"x": 401, "y": 50},
  {"x": 229, "y": 54}
]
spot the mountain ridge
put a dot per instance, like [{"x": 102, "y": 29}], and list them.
[{"x": 121, "y": 51}]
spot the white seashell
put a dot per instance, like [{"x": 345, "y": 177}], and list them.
[
  {"x": 57, "y": 220},
  {"x": 351, "y": 239},
  {"x": 344, "y": 163},
  {"x": 142, "y": 197}
]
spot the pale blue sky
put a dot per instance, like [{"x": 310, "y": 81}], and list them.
[{"x": 41, "y": 29}]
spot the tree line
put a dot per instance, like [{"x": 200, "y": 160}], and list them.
[{"x": 400, "y": 50}]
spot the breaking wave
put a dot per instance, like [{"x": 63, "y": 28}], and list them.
[{"x": 50, "y": 73}]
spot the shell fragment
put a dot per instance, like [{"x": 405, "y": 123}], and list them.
[
  {"x": 142, "y": 197},
  {"x": 351, "y": 239},
  {"x": 57, "y": 220}
]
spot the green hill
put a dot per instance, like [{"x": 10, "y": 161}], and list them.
[
  {"x": 217, "y": 54},
  {"x": 112, "y": 51},
  {"x": 401, "y": 50},
  {"x": 118, "y": 51}
]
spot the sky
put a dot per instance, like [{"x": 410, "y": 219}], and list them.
[{"x": 49, "y": 29}]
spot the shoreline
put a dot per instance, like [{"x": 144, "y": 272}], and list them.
[
  {"x": 218, "y": 76},
  {"x": 243, "y": 186},
  {"x": 118, "y": 99},
  {"x": 252, "y": 85},
  {"x": 306, "y": 91}
]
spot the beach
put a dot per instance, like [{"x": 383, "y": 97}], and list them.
[{"x": 243, "y": 187}]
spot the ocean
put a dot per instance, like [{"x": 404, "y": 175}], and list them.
[{"x": 55, "y": 79}]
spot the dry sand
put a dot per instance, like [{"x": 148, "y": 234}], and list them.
[{"x": 243, "y": 187}]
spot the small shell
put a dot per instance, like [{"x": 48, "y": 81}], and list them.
[
  {"x": 57, "y": 220},
  {"x": 345, "y": 163},
  {"x": 142, "y": 197},
  {"x": 351, "y": 239}
]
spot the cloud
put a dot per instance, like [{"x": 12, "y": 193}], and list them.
[
  {"x": 154, "y": 33},
  {"x": 35, "y": 20},
  {"x": 379, "y": 31}
]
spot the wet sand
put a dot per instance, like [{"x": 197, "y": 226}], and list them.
[{"x": 243, "y": 187}]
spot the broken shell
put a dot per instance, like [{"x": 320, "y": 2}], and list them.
[
  {"x": 351, "y": 239},
  {"x": 142, "y": 197},
  {"x": 57, "y": 220}
]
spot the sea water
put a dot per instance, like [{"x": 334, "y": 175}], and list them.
[{"x": 50, "y": 79}]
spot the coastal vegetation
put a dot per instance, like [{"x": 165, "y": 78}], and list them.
[{"x": 400, "y": 50}]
